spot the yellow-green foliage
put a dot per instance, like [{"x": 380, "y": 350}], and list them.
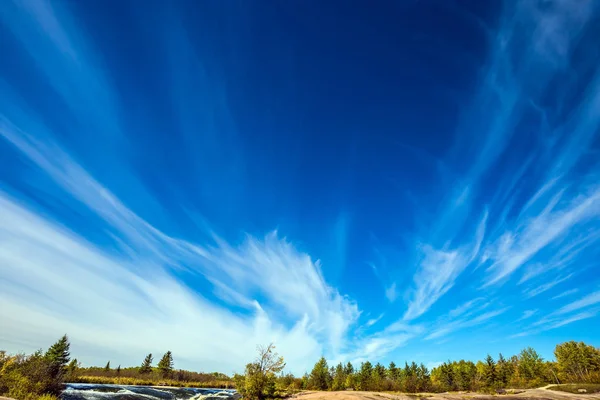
[
  {"x": 30, "y": 377},
  {"x": 47, "y": 397},
  {"x": 219, "y": 384},
  {"x": 260, "y": 379}
]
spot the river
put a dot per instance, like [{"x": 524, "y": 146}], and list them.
[{"x": 84, "y": 391}]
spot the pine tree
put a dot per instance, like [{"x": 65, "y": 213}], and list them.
[
  {"x": 107, "y": 367},
  {"x": 349, "y": 368},
  {"x": 73, "y": 365},
  {"x": 319, "y": 376},
  {"x": 58, "y": 355},
  {"x": 503, "y": 371},
  {"x": 423, "y": 378},
  {"x": 165, "y": 365},
  {"x": 339, "y": 378},
  {"x": 364, "y": 376},
  {"x": 146, "y": 365},
  {"x": 119, "y": 370},
  {"x": 394, "y": 372},
  {"x": 489, "y": 375}
]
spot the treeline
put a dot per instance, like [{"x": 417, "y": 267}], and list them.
[
  {"x": 147, "y": 374},
  {"x": 575, "y": 363}
]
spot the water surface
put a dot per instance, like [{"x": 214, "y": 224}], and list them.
[{"x": 85, "y": 391}]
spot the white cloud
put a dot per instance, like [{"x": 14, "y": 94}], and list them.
[
  {"x": 445, "y": 327},
  {"x": 527, "y": 314},
  {"x": 590, "y": 299},
  {"x": 391, "y": 293},
  {"x": 464, "y": 308},
  {"x": 536, "y": 290},
  {"x": 294, "y": 301},
  {"x": 373, "y": 321},
  {"x": 574, "y": 318},
  {"x": 378, "y": 345},
  {"x": 565, "y": 293},
  {"x": 55, "y": 282}
]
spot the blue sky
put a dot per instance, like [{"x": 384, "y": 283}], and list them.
[{"x": 413, "y": 181}]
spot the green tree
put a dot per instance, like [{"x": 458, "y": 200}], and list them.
[
  {"x": 165, "y": 365},
  {"x": 72, "y": 370},
  {"x": 577, "y": 362},
  {"x": 443, "y": 376},
  {"x": 349, "y": 369},
  {"x": 530, "y": 367},
  {"x": 364, "y": 376},
  {"x": 258, "y": 383},
  {"x": 339, "y": 378},
  {"x": 319, "y": 376},
  {"x": 489, "y": 372},
  {"x": 119, "y": 370},
  {"x": 394, "y": 372},
  {"x": 146, "y": 367},
  {"x": 423, "y": 378},
  {"x": 504, "y": 370},
  {"x": 107, "y": 367},
  {"x": 378, "y": 377},
  {"x": 58, "y": 354},
  {"x": 410, "y": 377}
]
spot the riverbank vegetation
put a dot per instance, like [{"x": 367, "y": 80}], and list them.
[
  {"x": 29, "y": 377},
  {"x": 39, "y": 375}
]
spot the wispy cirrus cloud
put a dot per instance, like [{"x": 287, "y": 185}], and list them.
[
  {"x": 591, "y": 299},
  {"x": 565, "y": 293},
  {"x": 528, "y": 314},
  {"x": 284, "y": 289},
  {"x": 448, "y": 327},
  {"x": 540, "y": 225},
  {"x": 578, "y": 310}
]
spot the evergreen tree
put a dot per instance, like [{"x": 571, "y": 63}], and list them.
[
  {"x": 339, "y": 378},
  {"x": 349, "y": 369},
  {"x": 423, "y": 378},
  {"x": 447, "y": 376},
  {"x": 119, "y": 370},
  {"x": 379, "y": 371},
  {"x": 58, "y": 354},
  {"x": 58, "y": 357},
  {"x": 107, "y": 367},
  {"x": 165, "y": 365},
  {"x": 319, "y": 376},
  {"x": 364, "y": 376},
  {"x": 409, "y": 377},
  {"x": 393, "y": 372},
  {"x": 489, "y": 374},
  {"x": 73, "y": 365},
  {"x": 146, "y": 367},
  {"x": 503, "y": 371}
]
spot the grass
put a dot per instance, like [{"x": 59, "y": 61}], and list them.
[
  {"x": 574, "y": 387},
  {"x": 152, "y": 382}
]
